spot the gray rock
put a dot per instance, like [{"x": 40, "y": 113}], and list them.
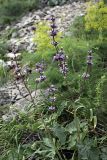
[
  {"x": 7, "y": 28},
  {"x": 64, "y": 15},
  {"x": 14, "y": 35}
]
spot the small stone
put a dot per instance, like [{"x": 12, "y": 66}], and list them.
[
  {"x": 7, "y": 28},
  {"x": 14, "y": 35}
]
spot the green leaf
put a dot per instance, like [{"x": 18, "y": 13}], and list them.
[
  {"x": 95, "y": 121},
  {"x": 49, "y": 143},
  {"x": 60, "y": 132},
  {"x": 104, "y": 153},
  {"x": 51, "y": 151},
  {"x": 71, "y": 127},
  {"x": 72, "y": 141},
  {"x": 87, "y": 150}
]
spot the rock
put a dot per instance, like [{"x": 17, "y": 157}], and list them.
[
  {"x": 13, "y": 56},
  {"x": 10, "y": 64},
  {"x": 64, "y": 14},
  {"x": 31, "y": 48},
  {"x": 7, "y": 28},
  {"x": 4, "y": 97},
  {"x": 14, "y": 35},
  {"x": 8, "y": 117}
]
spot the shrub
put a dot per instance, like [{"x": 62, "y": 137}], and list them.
[
  {"x": 42, "y": 37},
  {"x": 78, "y": 27},
  {"x": 96, "y": 17}
]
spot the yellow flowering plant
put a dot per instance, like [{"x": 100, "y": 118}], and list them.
[
  {"x": 42, "y": 37},
  {"x": 96, "y": 17}
]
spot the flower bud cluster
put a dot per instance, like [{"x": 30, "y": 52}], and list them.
[
  {"x": 40, "y": 67},
  {"x": 14, "y": 58},
  {"x": 54, "y": 31},
  {"x": 21, "y": 73},
  {"x": 89, "y": 58},
  {"x": 52, "y": 98},
  {"x": 86, "y": 74},
  {"x": 60, "y": 57}
]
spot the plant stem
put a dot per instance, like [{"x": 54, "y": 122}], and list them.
[
  {"x": 47, "y": 131},
  {"x": 24, "y": 82}
]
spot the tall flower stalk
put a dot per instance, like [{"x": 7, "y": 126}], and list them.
[
  {"x": 89, "y": 62},
  {"x": 60, "y": 56},
  {"x": 20, "y": 75}
]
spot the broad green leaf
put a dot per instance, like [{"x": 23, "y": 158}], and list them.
[
  {"x": 71, "y": 127},
  {"x": 72, "y": 141},
  {"x": 104, "y": 153},
  {"x": 60, "y": 132},
  {"x": 49, "y": 143},
  {"x": 51, "y": 150}
]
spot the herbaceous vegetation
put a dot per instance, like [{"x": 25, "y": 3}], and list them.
[{"x": 69, "y": 120}]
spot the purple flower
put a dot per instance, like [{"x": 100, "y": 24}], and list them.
[
  {"x": 52, "y": 108},
  {"x": 52, "y": 89},
  {"x": 42, "y": 78},
  {"x": 53, "y": 25},
  {"x": 64, "y": 70},
  {"x": 53, "y": 33},
  {"x": 52, "y": 99},
  {"x": 39, "y": 65},
  {"x": 62, "y": 57},
  {"x": 56, "y": 57},
  {"x": 85, "y": 75},
  {"x": 89, "y": 62},
  {"x": 52, "y": 18},
  {"x": 33, "y": 28},
  {"x": 55, "y": 43},
  {"x": 39, "y": 70},
  {"x": 89, "y": 58}
]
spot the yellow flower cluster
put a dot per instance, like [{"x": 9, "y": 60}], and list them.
[
  {"x": 42, "y": 37},
  {"x": 96, "y": 17}
]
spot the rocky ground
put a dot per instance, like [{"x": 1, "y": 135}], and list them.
[
  {"x": 23, "y": 35},
  {"x": 24, "y": 29}
]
